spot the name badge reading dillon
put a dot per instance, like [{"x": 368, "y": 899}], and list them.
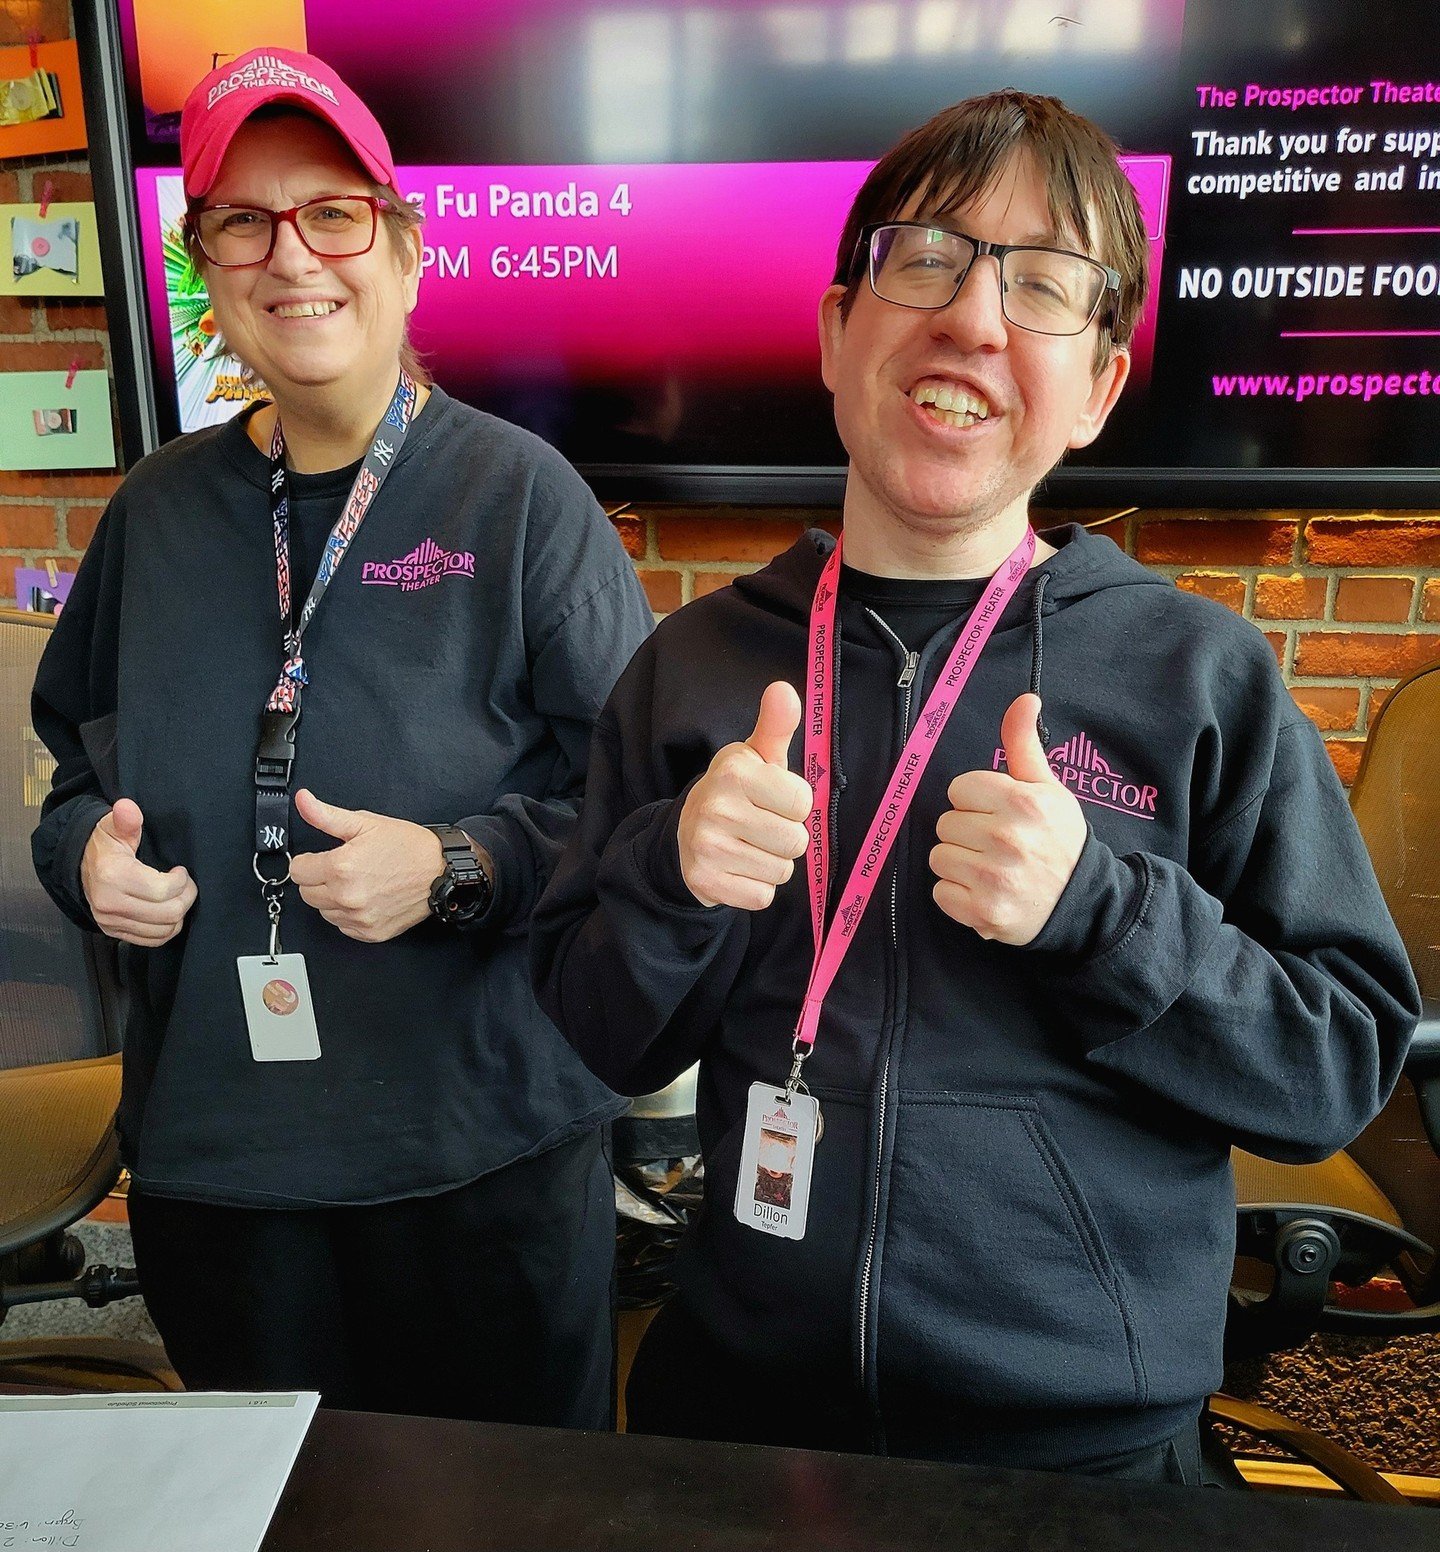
[
  {"x": 278, "y": 1009},
  {"x": 773, "y": 1191}
]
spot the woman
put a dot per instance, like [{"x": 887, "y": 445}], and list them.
[{"x": 363, "y": 1162}]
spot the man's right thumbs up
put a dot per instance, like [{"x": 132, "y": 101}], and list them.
[
  {"x": 742, "y": 826},
  {"x": 776, "y": 724},
  {"x": 129, "y": 899}
]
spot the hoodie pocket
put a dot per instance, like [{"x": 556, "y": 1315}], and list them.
[{"x": 996, "y": 1289}]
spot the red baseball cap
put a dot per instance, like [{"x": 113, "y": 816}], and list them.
[{"x": 222, "y": 102}]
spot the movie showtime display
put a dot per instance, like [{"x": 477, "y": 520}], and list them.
[{"x": 631, "y": 211}]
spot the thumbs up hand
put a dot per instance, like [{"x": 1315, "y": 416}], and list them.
[
  {"x": 1011, "y": 839},
  {"x": 742, "y": 826},
  {"x": 376, "y": 883},
  {"x": 129, "y": 899}
]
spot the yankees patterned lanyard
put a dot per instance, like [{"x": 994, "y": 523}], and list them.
[
  {"x": 275, "y": 757},
  {"x": 832, "y": 946}
]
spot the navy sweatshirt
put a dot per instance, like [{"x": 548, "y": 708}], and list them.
[
  {"x": 457, "y": 664},
  {"x": 1022, "y": 1218}
]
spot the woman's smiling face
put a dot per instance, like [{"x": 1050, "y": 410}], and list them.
[{"x": 298, "y": 320}]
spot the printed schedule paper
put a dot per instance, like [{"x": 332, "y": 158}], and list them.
[{"x": 137, "y": 1472}]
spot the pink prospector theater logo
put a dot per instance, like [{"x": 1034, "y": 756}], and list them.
[
  {"x": 422, "y": 567},
  {"x": 1079, "y": 765}
]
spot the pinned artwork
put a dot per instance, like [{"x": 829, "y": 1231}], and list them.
[
  {"x": 54, "y": 250},
  {"x": 42, "y": 589},
  {"x": 40, "y": 105},
  {"x": 56, "y": 420},
  {"x": 52, "y": 245}
]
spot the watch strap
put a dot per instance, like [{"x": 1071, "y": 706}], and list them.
[{"x": 463, "y": 890}]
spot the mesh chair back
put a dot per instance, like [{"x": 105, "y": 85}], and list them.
[
  {"x": 1396, "y": 801},
  {"x": 50, "y": 1007}
]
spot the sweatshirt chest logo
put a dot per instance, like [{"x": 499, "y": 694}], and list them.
[
  {"x": 424, "y": 566},
  {"x": 1080, "y": 766}
]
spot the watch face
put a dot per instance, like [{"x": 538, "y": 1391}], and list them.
[{"x": 456, "y": 902}]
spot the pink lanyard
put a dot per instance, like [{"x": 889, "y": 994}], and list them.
[{"x": 831, "y": 947}]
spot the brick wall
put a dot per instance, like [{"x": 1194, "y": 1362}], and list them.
[
  {"x": 47, "y": 516},
  {"x": 1349, "y": 602}
]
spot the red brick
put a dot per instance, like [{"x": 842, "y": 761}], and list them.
[
  {"x": 1367, "y": 654},
  {"x": 80, "y": 526},
  {"x": 662, "y": 588},
  {"x": 1331, "y": 709},
  {"x": 9, "y": 188},
  {"x": 1411, "y": 539},
  {"x": 1217, "y": 541},
  {"x": 632, "y": 533},
  {"x": 8, "y": 563},
  {"x": 1385, "y": 600},
  {"x": 65, "y": 187},
  {"x": 50, "y": 20},
  {"x": 1430, "y": 601},
  {"x": 26, "y": 528},
  {"x": 74, "y": 315},
  {"x": 1277, "y": 640},
  {"x": 1222, "y": 586},
  {"x": 1379, "y": 694},
  {"x": 53, "y": 355},
  {"x": 725, "y": 535},
  {"x": 1292, "y": 597},
  {"x": 60, "y": 483},
  {"x": 1345, "y": 756},
  {"x": 712, "y": 581},
  {"x": 16, "y": 315}
]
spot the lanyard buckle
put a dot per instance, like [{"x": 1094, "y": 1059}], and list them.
[{"x": 276, "y": 754}]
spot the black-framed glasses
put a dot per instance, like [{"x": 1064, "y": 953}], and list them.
[
  {"x": 1044, "y": 290},
  {"x": 334, "y": 226}
]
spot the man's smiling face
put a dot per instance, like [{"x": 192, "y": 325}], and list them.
[{"x": 952, "y": 417}]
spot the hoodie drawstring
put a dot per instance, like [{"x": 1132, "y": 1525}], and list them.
[{"x": 1037, "y": 649}]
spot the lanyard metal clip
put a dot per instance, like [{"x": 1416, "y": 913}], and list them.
[{"x": 801, "y": 1051}]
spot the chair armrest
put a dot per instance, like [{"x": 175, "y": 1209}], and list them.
[
  {"x": 1423, "y": 1060},
  {"x": 1422, "y": 1067}
]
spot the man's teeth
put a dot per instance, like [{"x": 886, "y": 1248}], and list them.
[
  {"x": 306, "y": 310},
  {"x": 953, "y": 406}
]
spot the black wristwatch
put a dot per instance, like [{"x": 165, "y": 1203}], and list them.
[{"x": 463, "y": 890}]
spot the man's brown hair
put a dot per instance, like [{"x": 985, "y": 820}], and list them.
[{"x": 960, "y": 153}]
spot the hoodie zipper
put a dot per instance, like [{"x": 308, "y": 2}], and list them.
[{"x": 905, "y": 682}]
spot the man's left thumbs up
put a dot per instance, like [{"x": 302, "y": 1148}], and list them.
[
  {"x": 376, "y": 883},
  {"x": 1011, "y": 838}
]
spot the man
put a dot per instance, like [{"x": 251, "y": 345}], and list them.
[{"x": 1056, "y": 984}]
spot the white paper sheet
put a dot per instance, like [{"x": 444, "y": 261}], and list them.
[{"x": 145, "y": 1472}]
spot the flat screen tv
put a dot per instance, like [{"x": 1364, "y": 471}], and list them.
[{"x": 632, "y": 208}]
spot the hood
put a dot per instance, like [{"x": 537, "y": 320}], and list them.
[{"x": 1084, "y": 563}]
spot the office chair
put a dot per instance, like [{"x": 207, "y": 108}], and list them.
[
  {"x": 1375, "y": 1207},
  {"x": 59, "y": 1073}
]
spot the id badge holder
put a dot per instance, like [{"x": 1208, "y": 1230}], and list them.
[
  {"x": 279, "y": 1012},
  {"x": 776, "y": 1160}
]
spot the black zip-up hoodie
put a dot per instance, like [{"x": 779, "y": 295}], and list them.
[{"x": 1021, "y": 1225}]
